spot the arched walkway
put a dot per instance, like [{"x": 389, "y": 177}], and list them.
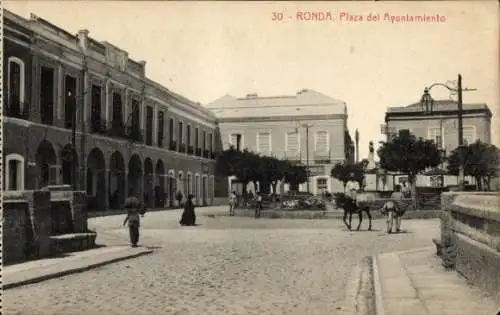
[
  {"x": 69, "y": 161},
  {"x": 96, "y": 180},
  {"x": 160, "y": 185},
  {"x": 148, "y": 182},
  {"x": 134, "y": 176},
  {"x": 116, "y": 180},
  {"x": 46, "y": 161}
]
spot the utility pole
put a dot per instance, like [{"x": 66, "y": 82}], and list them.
[
  {"x": 306, "y": 126},
  {"x": 357, "y": 145},
  {"x": 461, "y": 171}
]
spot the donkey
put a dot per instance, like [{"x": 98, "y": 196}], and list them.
[{"x": 350, "y": 207}]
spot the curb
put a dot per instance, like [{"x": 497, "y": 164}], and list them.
[
  {"x": 377, "y": 288},
  {"x": 360, "y": 296},
  {"x": 66, "y": 272}
]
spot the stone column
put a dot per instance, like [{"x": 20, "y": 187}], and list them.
[
  {"x": 107, "y": 189},
  {"x": 125, "y": 106},
  {"x": 59, "y": 109},
  {"x": 34, "y": 113},
  {"x": 109, "y": 109},
  {"x": 142, "y": 112}
]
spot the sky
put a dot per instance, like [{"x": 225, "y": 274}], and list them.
[{"x": 204, "y": 50}]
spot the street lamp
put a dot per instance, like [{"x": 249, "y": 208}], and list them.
[{"x": 427, "y": 104}]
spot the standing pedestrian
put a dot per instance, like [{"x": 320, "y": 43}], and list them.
[
  {"x": 188, "y": 217},
  {"x": 258, "y": 205},
  {"x": 394, "y": 210},
  {"x": 134, "y": 212},
  {"x": 232, "y": 202}
]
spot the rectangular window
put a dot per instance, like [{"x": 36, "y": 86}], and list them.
[
  {"x": 204, "y": 139},
  {"x": 188, "y": 135},
  {"x": 180, "y": 133},
  {"x": 69, "y": 101},
  {"x": 196, "y": 138},
  {"x": 321, "y": 142},
  {"x": 171, "y": 130},
  {"x": 160, "y": 129},
  {"x": 117, "y": 109},
  {"x": 264, "y": 143},
  {"x": 292, "y": 144},
  {"x": 47, "y": 95},
  {"x": 434, "y": 134},
  {"x": 136, "y": 116},
  {"x": 96, "y": 101},
  {"x": 469, "y": 135},
  {"x": 210, "y": 139},
  {"x": 149, "y": 125},
  {"x": 322, "y": 184},
  {"x": 15, "y": 87}
]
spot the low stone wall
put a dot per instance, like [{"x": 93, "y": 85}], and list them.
[
  {"x": 470, "y": 237},
  {"x": 30, "y": 218}
]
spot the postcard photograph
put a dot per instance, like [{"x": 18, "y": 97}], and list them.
[{"x": 250, "y": 158}]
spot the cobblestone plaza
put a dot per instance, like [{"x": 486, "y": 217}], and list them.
[{"x": 226, "y": 265}]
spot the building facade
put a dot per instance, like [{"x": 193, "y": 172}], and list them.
[
  {"x": 441, "y": 126},
  {"x": 308, "y": 128},
  {"x": 81, "y": 112}
]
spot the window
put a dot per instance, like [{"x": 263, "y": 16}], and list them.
[
  {"x": 264, "y": 143},
  {"x": 321, "y": 142},
  {"x": 117, "y": 109},
  {"x": 233, "y": 140},
  {"x": 188, "y": 135},
  {"x": 292, "y": 143},
  {"x": 171, "y": 129},
  {"x": 434, "y": 134},
  {"x": 210, "y": 139},
  {"x": 136, "y": 116},
  {"x": 69, "y": 101},
  {"x": 469, "y": 133},
  {"x": 149, "y": 125},
  {"x": 96, "y": 101},
  {"x": 15, "y": 85},
  {"x": 47, "y": 95},
  {"x": 322, "y": 184},
  {"x": 180, "y": 133},
  {"x": 14, "y": 172},
  {"x": 196, "y": 138},
  {"x": 160, "y": 129}
]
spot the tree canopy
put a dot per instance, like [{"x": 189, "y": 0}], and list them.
[
  {"x": 345, "y": 171},
  {"x": 480, "y": 160},
  {"x": 409, "y": 155}
]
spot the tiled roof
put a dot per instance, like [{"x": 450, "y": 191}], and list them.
[{"x": 305, "y": 102}]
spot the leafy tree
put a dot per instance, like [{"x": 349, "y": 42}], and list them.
[
  {"x": 409, "y": 155},
  {"x": 273, "y": 170},
  {"x": 346, "y": 170},
  {"x": 481, "y": 161},
  {"x": 295, "y": 174}
]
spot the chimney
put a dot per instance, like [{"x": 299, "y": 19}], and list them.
[
  {"x": 143, "y": 66},
  {"x": 83, "y": 39}
]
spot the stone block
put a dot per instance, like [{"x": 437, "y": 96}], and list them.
[{"x": 39, "y": 208}]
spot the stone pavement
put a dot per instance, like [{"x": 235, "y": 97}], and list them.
[
  {"x": 43, "y": 269},
  {"x": 415, "y": 283},
  {"x": 226, "y": 265}
]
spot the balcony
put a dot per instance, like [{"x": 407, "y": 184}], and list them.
[
  {"x": 134, "y": 134},
  {"x": 190, "y": 150},
  {"x": 116, "y": 129},
  {"x": 205, "y": 154},
  {"x": 212, "y": 155},
  {"x": 198, "y": 151},
  {"x": 98, "y": 125},
  {"x": 14, "y": 110},
  {"x": 172, "y": 146},
  {"x": 160, "y": 141},
  {"x": 182, "y": 148}
]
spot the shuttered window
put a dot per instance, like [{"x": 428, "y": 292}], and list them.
[
  {"x": 264, "y": 143},
  {"x": 434, "y": 134},
  {"x": 292, "y": 143},
  {"x": 469, "y": 135},
  {"x": 321, "y": 142}
]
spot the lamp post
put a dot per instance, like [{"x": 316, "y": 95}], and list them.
[
  {"x": 427, "y": 105},
  {"x": 306, "y": 126}
]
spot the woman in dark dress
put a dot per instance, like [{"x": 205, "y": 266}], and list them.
[{"x": 188, "y": 216}]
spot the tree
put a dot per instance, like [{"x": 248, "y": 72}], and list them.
[
  {"x": 295, "y": 174},
  {"x": 481, "y": 161},
  {"x": 273, "y": 170},
  {"x": 409, "y": 155},
  {"x": 344, "y": 171}
]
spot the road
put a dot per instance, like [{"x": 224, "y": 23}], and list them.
[{"x": 226, "y": 265}]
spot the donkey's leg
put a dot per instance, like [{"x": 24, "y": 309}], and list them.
[
  {"x": 350, "y": 220},
  {"x": 345, "y": 220},
  {"x": 360, "y": 214},
  {"x": 367, "y": 210}
]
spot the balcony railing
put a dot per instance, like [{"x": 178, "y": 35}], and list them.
[
  {"x": 160, "y": 141},
  {"x": 134, "y": 134},
  {"x": 198, "y": 151},
  {"x": 98, "y": 125},
  {"x": 205, "y": 154},
  {"x": 172, "y": 146},
  {"x": 212, "y": 155},
  {"x": 190, "y": 150},
  {"x": 17, "y": 110}
]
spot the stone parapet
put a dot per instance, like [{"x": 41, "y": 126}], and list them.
[{"x": 470, "y": 237}]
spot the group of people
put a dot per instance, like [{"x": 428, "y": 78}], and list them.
[
  {"x": 392, "y": 209},
  {"x": 233, "y": 202},
  {"x": 136, "y": 209}
]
